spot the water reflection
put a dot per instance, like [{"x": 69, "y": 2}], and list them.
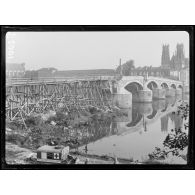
[
  {"x": 143, "y": 114},
  {"x": 144, "y": 128}
]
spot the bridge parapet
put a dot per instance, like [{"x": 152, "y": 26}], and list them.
[
  {"x": 132, "y": 77},
  {"x": 143, "y": 81},
  {"x": 143, "y": 89},
  {"x": 165, "y": 80}
]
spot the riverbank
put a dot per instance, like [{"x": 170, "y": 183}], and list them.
[
  {"x": 18, "y": 155},
  {"x": 65, "y": 129},
  {"x": 69, "y": 128},
  {"x": 61, "y": 126}
]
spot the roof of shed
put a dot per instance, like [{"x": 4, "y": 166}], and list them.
[{"x": 47, "y": 148}]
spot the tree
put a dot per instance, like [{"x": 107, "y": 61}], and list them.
[
  {"x": 177, "y": 140},
  {"x": 127, "y": 68}
]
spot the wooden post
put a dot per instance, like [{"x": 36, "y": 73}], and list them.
[{"x": 121, "y": 68}]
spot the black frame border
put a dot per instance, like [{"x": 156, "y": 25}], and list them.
[{"x": 79, "y": 28}]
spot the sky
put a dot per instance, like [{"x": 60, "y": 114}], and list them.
[{"x": 90, "y": 50}]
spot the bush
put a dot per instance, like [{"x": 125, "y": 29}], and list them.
[
  {"x": 33, "y": 121},
  {"x": 14, "y": 125},
  {"x": 177, "y": 140},
  {"x": 60, "y": 116}
]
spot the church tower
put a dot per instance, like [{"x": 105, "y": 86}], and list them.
[
  {"x": 165, "y": 58},
  {"x": 180, "y": 56}
]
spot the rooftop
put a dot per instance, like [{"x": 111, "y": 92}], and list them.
[
  {"x": 15, "y": 66},
  {"x": 47, "y": 148}
]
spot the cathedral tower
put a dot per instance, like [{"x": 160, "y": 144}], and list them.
[
  {"x": 165, "y": 58},
  {"x": 180, "y": 56}
]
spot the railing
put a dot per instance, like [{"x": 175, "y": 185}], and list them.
[{"x": 150, "y": 76}]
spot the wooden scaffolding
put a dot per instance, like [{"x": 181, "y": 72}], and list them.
[{"x": 39, "y": 97}]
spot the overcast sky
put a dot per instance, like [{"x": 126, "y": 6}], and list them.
[{"x": 90, "y": 50}]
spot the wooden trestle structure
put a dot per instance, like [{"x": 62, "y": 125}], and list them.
[{"x": 22, "y": 99}]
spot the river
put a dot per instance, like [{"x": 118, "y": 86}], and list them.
[
  {"x": 136, "y": 135},
  {"x": 133, "y": 135}
]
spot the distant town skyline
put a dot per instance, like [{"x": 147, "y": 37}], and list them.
[{"x": 90, "y": 50}]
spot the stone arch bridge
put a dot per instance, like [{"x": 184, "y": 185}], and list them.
[
  {"x": 144, "y": 89},
  {"x": 150, "y": 83}
]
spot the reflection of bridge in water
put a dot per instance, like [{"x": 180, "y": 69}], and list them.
[
  {"x": 139, "y": 117},
  {"x": 144, "y": 114}
]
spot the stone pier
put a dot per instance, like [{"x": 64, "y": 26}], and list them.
[
  {"x": 125, "y": 100},
  {"x": 142, "y": 90}
]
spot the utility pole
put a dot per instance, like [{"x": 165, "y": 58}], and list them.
[{"x": 121, "y": 69}]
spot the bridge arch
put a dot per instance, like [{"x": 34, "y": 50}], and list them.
[
  {"x": 173, "y": 86},
  {"x": 164, "y": 85},
  {"x": 134, "y": 87},
  {"x": 152, "y": 85},
  {"x": 180, "y": 86}
]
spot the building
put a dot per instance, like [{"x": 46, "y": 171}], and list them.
[
  {"x": 53, "y": 154},
  {"x": 83, "y": 73},
  {"x": 15, "y": 70},
  {"x": 165, "y": 58},
  {"x": 178, "y": 60},
  {"x": 178, "y": 64},
  {"x": 151, "y": 71},
  {"x": 184, "y": 76},
  {"x": 175, "y": 68},
  {"x": 128, "y": 69},
  {"x": 54, "y": 73},
  {"x": 46, "y": 72}
]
